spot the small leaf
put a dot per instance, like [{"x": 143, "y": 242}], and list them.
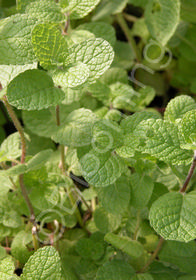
[
  {"x": 131, "y": 247},
  {"x": 49, "y": 44},
  {"x": 162, "y": 18},
  {"x": 115, "y": 270},
  {"x": 173, "y": 216},
  {"x": 178, "y": 106},
  {"x": 188, "y": 127},
  {"x": 97, "y": 54},
  {"x": 33, "y": 90},
  {"x": 44, "y": 264},
  {"x": 10, "y": 148}
]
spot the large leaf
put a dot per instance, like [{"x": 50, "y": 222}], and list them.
[
  {"x": 97, "y": 54},
  {"x": 33, "y": 90},
  {"x": 15, "y": 40},
  {"x": 115, "y": 198},
  {"x": 101, "y": 169},
  {"x": 43, "y": 265},
  {"x": 77, "y": 131},
  {"x": 173, "y": 216},
  {"x": 131, "y": 247},
  {"x": 162, "y": 18},
  {"x": 163, "y": 141}
]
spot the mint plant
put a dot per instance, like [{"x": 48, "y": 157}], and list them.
[{"x": 97, "y": 172}]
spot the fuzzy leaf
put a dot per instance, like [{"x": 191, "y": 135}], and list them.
[
  {"x": 162, "y": 18},
  {"x": 178, "y": 106},
  {"x": 44, "y": 264},
  {"x": 173, "y": 216},
  {"x": 33, "y": 90},
  {"x": 97, "y": 54}
]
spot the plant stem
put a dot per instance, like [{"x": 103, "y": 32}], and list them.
[
  {"x": 137, "y": 225},
  {"x": 17, "y": 126},
  {"x": 153, "y": 256},
  {"x": 130, "y": 18},
  {"x": 125, "y": 28},
  {"x": 190, "y": 174},
  {"x": 62, "y": 148}
]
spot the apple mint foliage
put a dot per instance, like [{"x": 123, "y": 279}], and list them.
[{"x": 97, "y": 140}]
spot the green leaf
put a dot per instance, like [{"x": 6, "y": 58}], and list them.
[
  {"x": 138, "y": 3},
  {"x": 100, "y": 30},
  {"x": 188, "y": 10},
  {"x": 182, "y": 255},
  {"x": 115, "y": 198},
  {"x": 72, "y": 76},
  {"x": 101, "y": 169},
  {"x": 142, "y": 188},
  {"x": 173, "y": 216},
  {"x": 10, "y": 148},
  {"x": 113, "y": 75},
  {"x": 115, "y": 270},
  {"x": 15, "y": 170},
  {"x": 7, "y": 269},
  {"x": 49, "y": 44},
  {"x": 19, "y": 246},
  {"x": 45, "y": 9},
  {"x": 89, "y": 249},
  {"x": 42, "y": 265},
  {"x": 163, "y": 141},
  {"x": 188, "y": 127},
  {"x": 106, "y": 222},
  {"x": 9, "y": 72},
  {"x": 6, "y": 185},
  {"x": 77, "y": 131},
  {"x": 39, "y": 160},
  {"x": 107, "y": 7},
  {"x": 97, "y": 54},
  {"x": 162, "y": 18},
  {"x": 43, "y": 122},
  {"x": 100, "y": 91},
  {"x": 187, "y": 46},
  {"x": 178, "y": 106},
  {"x": 39, "y": 91},
  {"x": 143, "y": 276},
  {"x": 79, "y": 8},
  {"x": 124, "y": 56},
  {"x": 131, "y": 247},
  {"x": 15, "y": 40}
]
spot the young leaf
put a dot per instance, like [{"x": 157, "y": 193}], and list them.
[
  {"x": 115, "y": 270},
  {"x": 131, "y": 247},
  {"x": 173, "y": 216},
  {"x": 79, "y": 8},
  {"x": 49, "y": 54},
  {"x": 33, "y": 90},
  {"x": 10, "y": 148},
  {"x": 97, "y": 54},
  {"x": 42, "y": 265},
  {"x": 162, "y": 18},
  {"x": 178, "y": 106}
]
